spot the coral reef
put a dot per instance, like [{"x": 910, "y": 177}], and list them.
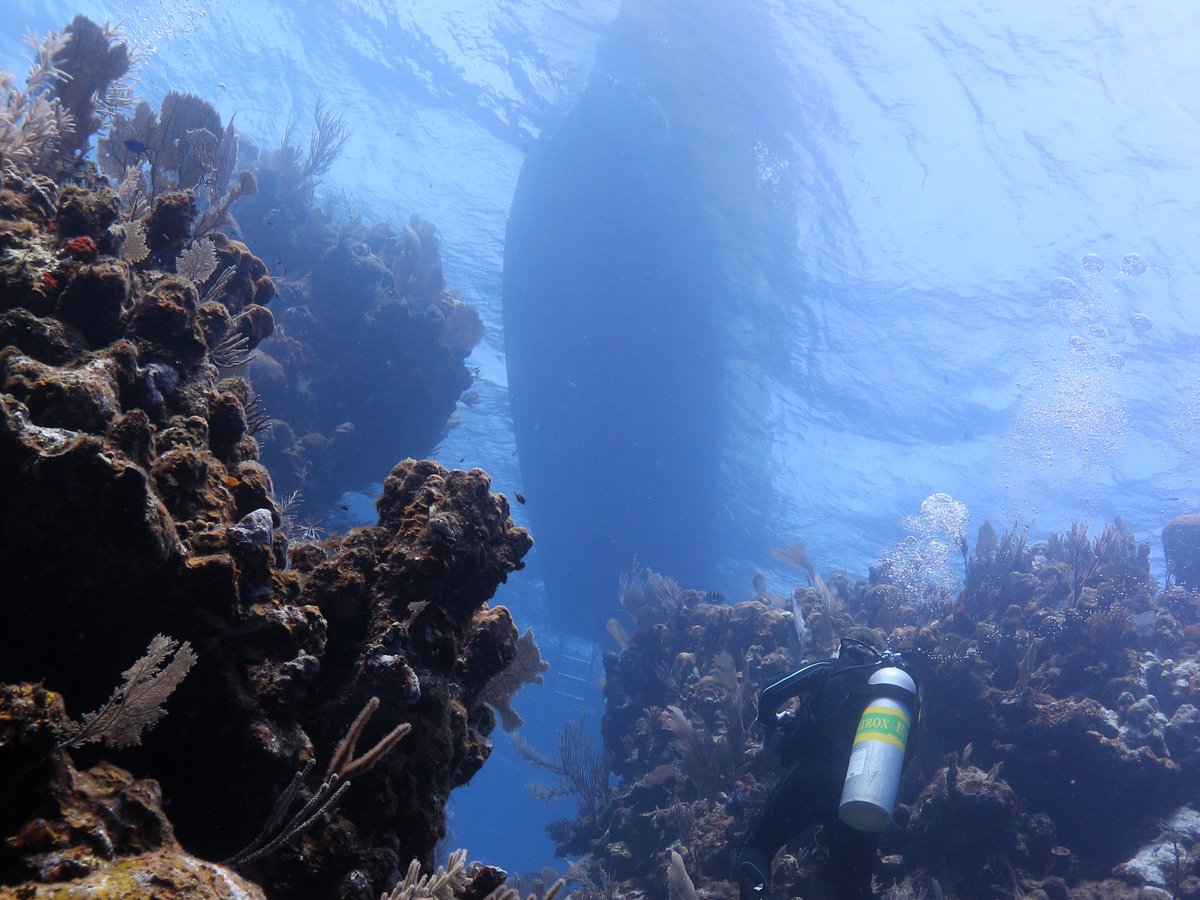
[
  {"x": 1056, "y": 757},
  {"x": 135, "y": 504},
  {"x": 1181, "y": 545},
  {"x": 99, "y": 829},
  {"x": 73, "y": 88},
  {"x": 89, "y": 85},
  {"x": 179, "y": 144},
  {"x": 368, "y": 355}
]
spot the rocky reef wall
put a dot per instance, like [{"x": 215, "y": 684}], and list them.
[{"x": 293, "y": 712}]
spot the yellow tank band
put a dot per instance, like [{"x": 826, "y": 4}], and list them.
[{"x": 882, "y": 724}]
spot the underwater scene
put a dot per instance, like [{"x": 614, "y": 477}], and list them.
[{"x": 609, "y": 449}]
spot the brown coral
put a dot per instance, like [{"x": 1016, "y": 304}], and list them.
[
  {"x": 135, "y": 503},
  {"x": 249, "y": 282},
  {"x": 94, "y": 300},
  {"x": 166, "y": 318}
]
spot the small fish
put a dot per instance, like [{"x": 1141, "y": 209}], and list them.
[
  {"x": 135, "y": 146},
  {"x": 520, "y": 497}
]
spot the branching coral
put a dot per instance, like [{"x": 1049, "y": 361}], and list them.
[
  {"x": 457, "y": 881},
  {"x": 326, "y": 143},
  {"x": 344, "y": 763},
  {"x": 582, "y": 769},
  {"x": 298, "y": 170},
  {"x": 279, "y": 829},
  {"x": 33, "y": 122},
  {"x": 445, "y": 884}
]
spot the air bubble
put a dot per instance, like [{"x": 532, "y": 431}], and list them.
[
  {"x": 1140, "y": 322},
  {"x": 920, "y": 565},
  {"x": 1133, "y": 264},
  {"x": 1064, "y": 287},
  {"x": 1092, "y": 264}
]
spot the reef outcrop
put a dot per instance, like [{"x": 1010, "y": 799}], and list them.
[
  {"x": 1058, "y": 742},
  {"x": 99, "y": 831},
  {"x": 1181, "y": 546},
  {"x": 368, "y": 359},
  {"x": 335, "y": 692}
]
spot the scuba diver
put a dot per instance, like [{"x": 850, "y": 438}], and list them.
[{"x": 845, "y": 747}]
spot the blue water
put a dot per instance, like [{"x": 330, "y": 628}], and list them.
[{"x": 867, "y": 205}]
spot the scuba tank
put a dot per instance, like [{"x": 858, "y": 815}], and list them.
[{"x": 877, "y": 756}]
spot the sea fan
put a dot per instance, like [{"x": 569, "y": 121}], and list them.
[
  {"x": 463, "y": 329},
  {"x": 134, "y": 249},
  {"x": 137, "y": 704},
  {"x": 526, "y": 668},
  {"x": 198, "y": 261},
  {"x": 133, "y": 191}
]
